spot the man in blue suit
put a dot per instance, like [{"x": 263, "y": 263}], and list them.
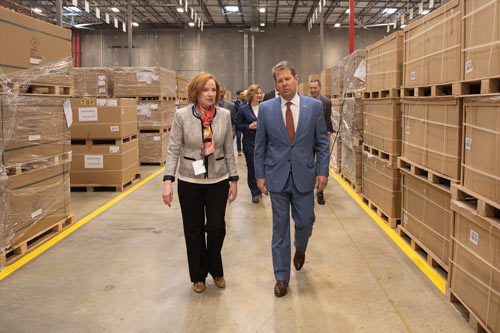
[{"x": 291, "y": 129}]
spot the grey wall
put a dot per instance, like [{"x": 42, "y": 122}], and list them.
[{"x": 220, "y": 50}]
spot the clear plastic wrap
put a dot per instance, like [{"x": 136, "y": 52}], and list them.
[
  {"x": 36, "y": 150},
  {"x": 336, "y": 149},
  {"x": 153, "y": 147},
  {"x": 155, "y": 114},
  {"x": 353, "y": 67},
  {"x": 352, "y": 122},
  {"x": 93, "y": 82},
  {"x": 144, "y": 81},
  {"x": 337, "y": 79}
]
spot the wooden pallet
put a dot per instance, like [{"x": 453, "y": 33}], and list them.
[
  {"x": 337, "y": 96},
  {"x": 390, "y": 221},
  {"x": 152, "y": 129},
  {"x": 483, "y": 206},
  {"x": 355, "y": 94},
  {"x": 114, "y": 142},
  {"x": 477, "y": 87},
  {"x": 386, "y": 93},
  {"x": 417, "y": 246},
  {"x": 155, "y": 98},
  {"x": 391, "y": 159},
  {"x": 37, "y": 238},
  {"x": 23, "y": 167},
  {"x": 40, "y": 89},
  {"x": 356, "y": 187},
  {"x": 105, "y": 188},
  {"x": 162, "y": 163},
  {"x": 434, "y": 90},
  {"x": 426, "y": 174},
  {"x": 474, "y": 322}
]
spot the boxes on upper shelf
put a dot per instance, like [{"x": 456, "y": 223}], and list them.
[
  {"x": 354, "y": 72},
  {"x": 337, "y": 80},
  {"x": 93, "y": 81},
  {"x": 144, "y": 81},
  {"x": 326, "y": 82},
  {"x": 155, "y": 114},
  {"x": 181, "y": 86}
]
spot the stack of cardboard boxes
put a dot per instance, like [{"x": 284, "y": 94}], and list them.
[
  {"x": 156, "y": 89},
  {"x": 326, "y": 82},
  {"x": 352, "y": 119},
  {"x": 382, "y": 128},
  {"x": 36, "y": 155},
  {"x": 104, "y": 136}
]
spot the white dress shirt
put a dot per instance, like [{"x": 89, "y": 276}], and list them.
[
  {"x": 295, "y": 107},
  {"x": 255, "y": 109}
]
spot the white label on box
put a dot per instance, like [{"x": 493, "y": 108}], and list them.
[
  {"x": 142, "y": 109},
  {"x": 468, "y": 66},
  {"x": 360, "y": 72},
  {"x": 407, "y": 129},
  {"x": 87, "y": 114},
  {"x": 114, "y": 149},
  {"x": 154, "y": 77},
  {"x": 412, "y": 75},
  {"x": 366, "y": 121},
  {"x": 156, "y": 138},
  {"x": 34, "y": 138},
  {"x": 68, "y": 112},
  {"x": 144, "y": 76},
  {"x": 101, "y": 77},
  {"x": 468, "y": 143},
  {"x": 36, "y": 213},
  {"x": 474, "y": 237},
  {"x": 366, "y": 169},
  {"x": 177, "y": 103},
  {"x": 94, "y": 162},
  {"x": 35, "y": 61},
  {"x": 101, "y": 83},
  {"x": 405, "y": 219},
  {"x": 115, "y": 128},
  {"x": 102, "y": 90},
  {"x": 101, "y": 101},
  {"x": 112, "y": 102},
  {"x": 154, "y": 106}
]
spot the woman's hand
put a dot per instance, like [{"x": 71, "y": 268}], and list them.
[
  {"x": 253, "y": 125},
  {"x": 233, "y": 191},
  {"x": 168, "y": 193}
]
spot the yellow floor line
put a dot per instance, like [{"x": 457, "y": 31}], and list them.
[
  {"x": 438, "y": 281},
  {"x": 45, "y": 246}
]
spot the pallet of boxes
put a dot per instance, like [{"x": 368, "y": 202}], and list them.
[
  {"x": 104, "y": 136},
  {"x": 337, "y": 100},
  {"x": 35, "y": 157},
  {"x": 382, "y": 128},
  {"x": 182, "y": 99},
  {"x": 155, "y": 91},
  {"x": 352, "y": 119},
  {"x": 474, "y": 264}
]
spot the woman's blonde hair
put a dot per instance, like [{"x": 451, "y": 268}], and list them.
[
  {"x": 251, "y": 91},
  {"x": 197, "y": 84}
]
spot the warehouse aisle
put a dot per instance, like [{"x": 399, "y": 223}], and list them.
[{"x": 126, "y": 271}]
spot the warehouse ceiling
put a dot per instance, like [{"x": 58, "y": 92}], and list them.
[{"x": 243, "y": 14}]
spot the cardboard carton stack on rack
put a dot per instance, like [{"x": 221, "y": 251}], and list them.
[
  {"x": 155, "y": 89},
  {"x": 352, "y": 119},
  {"x": 35, "y": 157},
  {"x": 382, "y": 128}
]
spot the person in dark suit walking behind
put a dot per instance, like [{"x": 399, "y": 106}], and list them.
[
  {"x": 247, "y": 124},
  {"x": 240, "y": 100},
  {"x": 291, "y": 132},
  {"x": 315, "y": 92},
  {"x": 228, "y": 105},
  {"x": 271, "y": 94}
]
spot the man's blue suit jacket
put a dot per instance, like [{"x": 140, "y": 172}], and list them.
[{"x": 275, "y": 156}]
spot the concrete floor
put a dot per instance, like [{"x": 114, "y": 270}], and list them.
[{"x": 126, "y": 271}]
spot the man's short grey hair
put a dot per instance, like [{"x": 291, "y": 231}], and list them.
[
  {"x": 316, "y": 81},
  {"x": 283, "y": 65}
]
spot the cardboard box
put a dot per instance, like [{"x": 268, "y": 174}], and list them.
[
  {"x": 475, "y": 263},
  {"x": 39, "y": 196},
  {"x": 338, "y": 79},
  {"x": 326, "y": 82},
  {"x": 384, "y": 63},
  {"x": 181, "y": 86},
  {"x": 382, "y": 124},
  {"x": 352, "y": 159},
  {"x": 432, "y": 133},
  {"x": 481, "y": 42},
  {"x": 93, "y": 121},
  {"x": 426, "y": 214},
  {"x": 93, "y": 81},
  {"x": 144, "y": 81},
  {"x": 153, "y": 147},
  {"x": 481, "y": 156},
  {"x": 313, "y": 77},
  {"x": 303, "y": 89},
  {"x": 352, "y": 122},
  {"x": 382, "y": 185},
  {"x": 104, "y": 163},
  {"x": 30, "y": 42},
  {"x": 32, "y": 128},
  {"x": 354, "y": 69},
  {"x": 433, "y": 47},
  {"x": 155, "y": 114}
]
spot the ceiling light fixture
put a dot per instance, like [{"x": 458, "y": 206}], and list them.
[
  {"x": 404, "y": 25},
  {"x": 337, "y": 25},
  {"x": 425, "y": 12},
  {"x": 262, "y": 10},
  {"x": 73, "y": 9},
  {"x": 191, "y": 24},
  {"x": 180, "y": 10},
  {"x": 115, "y": 10},
  {"x": 262, "y": 24},
  {"x": 37, "y": 10},
  {"x": 135, "y": 24},
  {"x": 389, "y": 11},
  {"x": 231, "y": 9},
  {"x": 347, "y": 11}
]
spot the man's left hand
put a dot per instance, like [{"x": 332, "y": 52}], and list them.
[{"x": 321, "y": 182}]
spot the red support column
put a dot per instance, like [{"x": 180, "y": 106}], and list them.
[{"x": 351, "y": 26}]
